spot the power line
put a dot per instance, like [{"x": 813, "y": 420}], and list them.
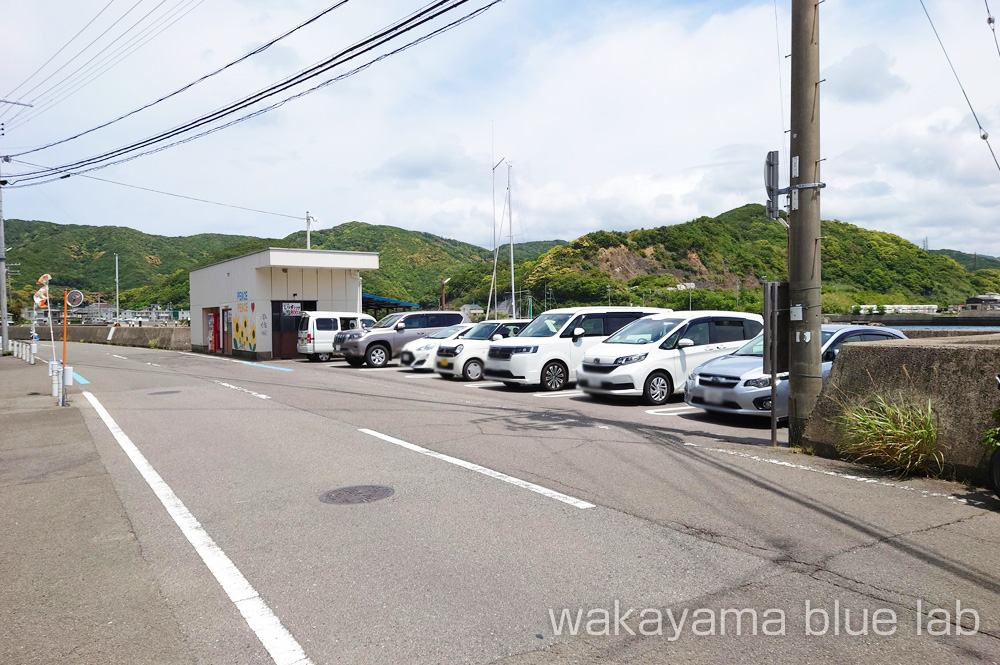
[
  {"x": 179, "y": 196},
  {"x": 992, "y": 23},
  {"x": 88, "y": 73},
  {"x": 259, "y": 49},
  {"x": 61, "y": 49},
  {"x": 982, "y": 132},
  {"x": 427, "y": 14}
]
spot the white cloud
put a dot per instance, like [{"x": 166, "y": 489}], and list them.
[{"x": 614, "y": 116}]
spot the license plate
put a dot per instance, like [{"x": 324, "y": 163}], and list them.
[
  {"x": 714, "y": 396},
  {"x": 336, "y": 347},
  {"x": 581, "y": 382},
  {"x": 443, "y": 362}
]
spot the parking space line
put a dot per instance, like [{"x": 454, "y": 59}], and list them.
[
  {"x": 381, "y": 369},
  {"x": 425, "y": 375},
  {"x": 673, "y": 411},
  {"x": 561, "y": 393},
  {"x": 280, "y": 644},
  {"x": 544, "y": 491}
]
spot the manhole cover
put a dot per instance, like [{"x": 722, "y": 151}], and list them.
[
  {"x": 166, "y": 392},
  {"x": 357, "y": 494}
]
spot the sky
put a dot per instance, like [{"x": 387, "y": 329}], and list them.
[{"x": 601, "y": 116}]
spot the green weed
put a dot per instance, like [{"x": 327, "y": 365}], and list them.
[{"x": 891, "y": 435}]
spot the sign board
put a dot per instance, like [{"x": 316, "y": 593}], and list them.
[{"x": 291, "y": 309}]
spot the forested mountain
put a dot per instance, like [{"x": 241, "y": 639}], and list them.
[
  {"x": 726, "y": 257},
  {"x": 970, "y": 262}
]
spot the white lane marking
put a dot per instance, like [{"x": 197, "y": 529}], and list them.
[
  {"x": 485, "y": 384},
  {"x": 203, "y": 355},
  {"x": 118, "y": 356},
  {"x": 552, "y": 494},
  {"x": 381, "y": 369},
  {"x": 284, "y": 649},
  {"x": 432, "y": 375},
  {"x": 153, "y": 364},
  {"x": 672, "y": 411},
  {"x": 837, "y": 474},
  {"x": 245, "y": 390},
  {"x": 561, "y": 393}
]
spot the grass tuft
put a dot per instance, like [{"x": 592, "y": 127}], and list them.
[{"x": 895, "y": 436}]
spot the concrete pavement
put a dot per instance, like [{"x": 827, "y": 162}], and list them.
[{"x": 75, "y": 586}]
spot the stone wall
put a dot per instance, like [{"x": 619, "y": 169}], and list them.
[
  {"x": 175, "y": 338},
  {"x": 955, "y": 373}
]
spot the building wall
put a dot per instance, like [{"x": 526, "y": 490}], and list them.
[{"x": 247, "y": 285}]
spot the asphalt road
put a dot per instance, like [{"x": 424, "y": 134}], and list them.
[{"x": 509, "y": 508}]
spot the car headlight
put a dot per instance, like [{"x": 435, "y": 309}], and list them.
[
  {"x": 762, "y": 382},
  {"x": 426, "y": 347},
  {"x": 628, "y": 360},
  {"x": 524, "y": 349},
  {"x": 351, "y": 336},
  {"x": 458, "y": 349}
]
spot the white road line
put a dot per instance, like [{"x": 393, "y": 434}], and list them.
[
  {"x": 836, "y": 474},
  {"x": 153, "y": 364},
  {"x": 484, "y": 384},
  {"x": 544, "y": 491},
  {"x": 561, "y": 393},
  {"x": 432, "y": 375},
  {"x": 381, "y": 369},
  {"x": 672, "y": 411},
  {"x": 118, "y": 356},
  {"x": 204, "y": 356},
  {"x": 284, "y": 649},
  {"x": 245, "y": 390}
]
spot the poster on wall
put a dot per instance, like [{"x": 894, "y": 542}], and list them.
[{"x": 291, "y": 309}]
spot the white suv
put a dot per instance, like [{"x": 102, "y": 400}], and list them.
[
  {"x": 550, "y": 348},
  {"x": 652, "y": 357},
  {"x": 465, "y": 357}
]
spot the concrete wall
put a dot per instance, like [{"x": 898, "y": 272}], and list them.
[
  {"x": 175, "y": 338},
  {"x": 954, "y": 373}
]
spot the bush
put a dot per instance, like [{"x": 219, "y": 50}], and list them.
[
  {"x": 154, "y": 343},
  {"x": 895, "y": 436}
]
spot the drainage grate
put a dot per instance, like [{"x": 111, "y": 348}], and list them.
[
  {"x": 166, "y": 392},
  {"x": 357, "y": 494}
]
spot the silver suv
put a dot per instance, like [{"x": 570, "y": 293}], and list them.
[{"x": 384, "y": 340}]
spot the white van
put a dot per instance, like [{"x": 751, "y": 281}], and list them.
[
  {"x": 317, "y": 330},
  {"x": 550, "y": 348},
  {"x": 653, "y": 357}
]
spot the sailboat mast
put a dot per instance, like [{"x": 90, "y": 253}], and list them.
[{"x": 510, "y": 241}]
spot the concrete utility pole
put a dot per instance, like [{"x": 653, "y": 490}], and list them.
[
  {"x": 3, "y": 274},
  {"x": 805, "y": 315}
]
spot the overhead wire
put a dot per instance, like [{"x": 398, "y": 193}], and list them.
[
  {"x": 990, "y": 21},
  {"x": 79, "y": 53},
  {"x": 259, "y": 49},
  {"x": 179, "y": 196},
  {"x": 88, "y": 73},
  {"x": 982, "y": 132},
  {"x": 61, "y": 49},
  {"x": 386, "y": 35}
]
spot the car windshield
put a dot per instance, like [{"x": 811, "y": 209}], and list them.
[
  {"x": 545, "y": 325},
  {"x": 482, "y": 330},
  {"x": 387, "y": 321},
  {"x": 445, "y": 333},
  {"x": 755, "y": 347},
  {"x": 644, "y": 331}
]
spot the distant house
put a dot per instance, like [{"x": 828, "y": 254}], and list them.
[
  {"x": 471, "y": 310},
  {"x": 985, "y": 301}
]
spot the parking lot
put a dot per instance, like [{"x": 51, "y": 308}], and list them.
[{"x": 507, "y": 507}]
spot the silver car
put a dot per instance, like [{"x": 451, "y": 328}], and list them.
[{"x": 736, "y": 383}]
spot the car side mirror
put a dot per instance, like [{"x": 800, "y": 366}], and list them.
[
  {"x": 685, "y": 342},
  {"x": 497, "y": 337},
  {"x": 578, "y": 332},
  {"x": 401, "y": 325},
  {"x": 830, "y": 355}
]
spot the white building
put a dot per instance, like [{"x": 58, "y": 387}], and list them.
[{"x": 250, "y": 306}]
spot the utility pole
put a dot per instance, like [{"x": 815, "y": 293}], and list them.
[
  {"x": 5, "y": 345},
  {"x": 805, "y": 314},
  {"x": 117, "y": 315}
]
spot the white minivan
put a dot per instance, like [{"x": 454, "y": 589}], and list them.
[
  {"x": 549, "y": 349},
  {"x": 317, "y": 329},
  {"x": 652, "y": 357}
]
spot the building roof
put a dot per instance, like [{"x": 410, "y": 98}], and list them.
[{"x": 282, "y": 257}]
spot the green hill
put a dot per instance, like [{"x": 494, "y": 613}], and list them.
[
  {"x": 971, "y": 262},
  {"x": 726, "y": 257}
]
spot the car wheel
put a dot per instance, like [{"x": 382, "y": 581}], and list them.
[
  {"x": 473, "y": 370},
  {"x": 312, "y": 357},
  {"x": 355, "y": 362},
  {"x": 658, "y": 389},
  {"x": 554, "y": 376},
  {"x": 323, "y": 357},
  {"x": 377, "y": 355}
]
